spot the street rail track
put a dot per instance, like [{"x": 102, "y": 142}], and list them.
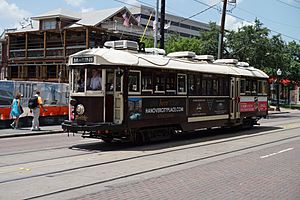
[
  {"x": 153, "y": 169},
  {"x": 162, "y": 152},
  {"x": 73, "y": 147}
]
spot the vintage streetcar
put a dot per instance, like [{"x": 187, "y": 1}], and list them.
[{"x": 120, "y": 93}]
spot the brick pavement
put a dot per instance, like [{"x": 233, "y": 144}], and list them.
[{"x": 243, "y": 177}]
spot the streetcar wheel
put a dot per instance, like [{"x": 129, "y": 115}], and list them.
[{"x": 107, "y": 140}]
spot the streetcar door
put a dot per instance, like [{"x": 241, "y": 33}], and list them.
[
  {"x": 118, "y": 97},
  {"x": 235, "y": 97}
]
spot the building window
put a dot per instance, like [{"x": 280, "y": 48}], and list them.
[
  {"x": 48, "y": 24},
  {"x": 51, "y": 71},
  {"x": 14, "y": 72},
  {"x": 32, "y": 71}
]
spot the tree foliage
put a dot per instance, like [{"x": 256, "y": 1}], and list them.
[{"x": 252, "y": 44}]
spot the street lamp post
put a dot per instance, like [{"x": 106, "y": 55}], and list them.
[{"x": 278, "y": 72}]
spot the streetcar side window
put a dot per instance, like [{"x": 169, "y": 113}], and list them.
[
  {"x": 191, "y": 85},
  {"x": 181, "y": 83},
  {"x": 159, "y": 83},
  {"x": 248, "y": 87},
  {"x": 224, "y": 86},
  {"x": 243, "y": 86},
  {"x": 260, "y": 87},
  {"x": 147, "y": 83},
  {"x": 134, "y": 82},
  {"x": 215, "y": 89},
  {"x": 254, "y": 87},
  {"x": 109, "y": 81},
  {"x": 265, "y": 87},
  {"x": 171, "y": 83}
]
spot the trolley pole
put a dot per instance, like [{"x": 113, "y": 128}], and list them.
[
  {"x": 162, "y": 24},
  {"x": 221, "y": 34},
  {"x": 156, "y": 24}
]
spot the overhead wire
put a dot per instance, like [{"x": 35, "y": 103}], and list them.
[
  {"x": 213, "y": 7},
  {"x": 290, "y": 5},
  {"x": 290, "y": 37}
]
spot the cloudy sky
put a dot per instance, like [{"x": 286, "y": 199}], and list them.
[{"x": 280, "y": 16}]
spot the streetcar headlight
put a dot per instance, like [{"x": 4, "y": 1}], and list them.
[{"x": 80, "y": 109}]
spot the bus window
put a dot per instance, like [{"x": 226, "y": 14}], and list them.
[
  {"x": 181, "y": 83},
  {"x": 134, "y": 81},
  {"x": 94, "y": 79}
]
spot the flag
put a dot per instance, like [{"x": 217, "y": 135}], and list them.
[
  {"x": 126, "y": 20},
  {"x": 138, "y": 19},
  {"x": 154, "y": 25},
  {"x": 167, "y": 25}
]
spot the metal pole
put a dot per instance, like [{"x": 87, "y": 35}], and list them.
[
  {"x": 162, "y": 24},
  {"x": 221, "y": 35},
  {"x": 156, "y": 24},
  {"x": 277, "y": 95}
]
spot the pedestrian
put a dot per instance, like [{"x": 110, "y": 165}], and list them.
[
  {"x": 16, "y": 111},
  {"x": 36, "y": 112}
]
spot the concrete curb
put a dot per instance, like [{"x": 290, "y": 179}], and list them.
[{"x": 7, "y": 135}]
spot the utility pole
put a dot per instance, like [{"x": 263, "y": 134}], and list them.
[
  {"x": 162, "y": 24},
  {"x": 156, "y": 24},
  {"x": 221, "y": 34}
]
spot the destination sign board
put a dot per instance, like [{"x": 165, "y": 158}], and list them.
[{"x": 83, "y": 59}]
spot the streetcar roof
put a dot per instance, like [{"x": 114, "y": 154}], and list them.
[{"x": 113, "y": 57}]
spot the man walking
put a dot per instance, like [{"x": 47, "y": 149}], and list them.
[{"x": 36, "y": 111}]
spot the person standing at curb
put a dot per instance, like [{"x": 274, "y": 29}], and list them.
[
  {"x": 35, "y": 109},
  {"x": 16, "y": 111}
]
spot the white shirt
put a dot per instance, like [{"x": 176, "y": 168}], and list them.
[{"x": 96, "y": 83}]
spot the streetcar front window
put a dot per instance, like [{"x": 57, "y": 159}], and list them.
[
  {"x": 94, "y": 77},
  {"x": 78, "y": 80}
]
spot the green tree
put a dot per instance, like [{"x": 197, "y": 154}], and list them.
[{"x": 249, "y": 44}]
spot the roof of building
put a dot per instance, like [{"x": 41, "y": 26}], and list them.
[
  {"x": 59, "y": 12},
  {"x": 95, "y": 17}
]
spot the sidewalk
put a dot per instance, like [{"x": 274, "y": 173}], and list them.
[
  {"x": 273, "y": 110},
  {"x": 26, "y": 131}
]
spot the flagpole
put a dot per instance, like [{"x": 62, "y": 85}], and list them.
[
  {"x": 156, "y": 24},
  {"x": 142, "y": 38}
]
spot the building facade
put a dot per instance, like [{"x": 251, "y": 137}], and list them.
[
  {"x": 173, "y": 24},
  {"x": 40, "y": 51}
]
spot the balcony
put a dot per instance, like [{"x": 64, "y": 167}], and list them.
[{"x": 118, "y": 27}]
